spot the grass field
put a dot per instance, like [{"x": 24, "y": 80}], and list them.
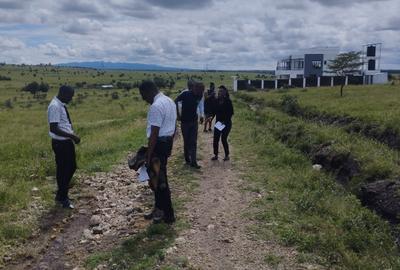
[
  {"x": 373, "y": 103},
  {"x": 110, "y": 123},
  {"x": 301, "y": 207},
  {"x": 305, "y": 208}
]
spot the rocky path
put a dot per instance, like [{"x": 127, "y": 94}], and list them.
[
  {"x": 219, "y": 235},
  {"x": 109, "y": 208}
]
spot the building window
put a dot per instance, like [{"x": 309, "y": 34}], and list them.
[
  {"x": 371, "y": 64},
  {"x": 298, "y": 64},
  {"x": 317, "y": 64},
  {"x": 371, "y": 51}
]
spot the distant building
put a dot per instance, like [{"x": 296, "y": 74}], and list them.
[
  {"x": 371, "y": 58},
  {"x": 107, "y": 86},
  {"x": 314, "y": 62}
]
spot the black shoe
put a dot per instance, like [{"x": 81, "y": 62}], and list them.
[
  {"x": 158, "y": 216},
  {"x": 67, "y": 204},
  {"x": 214, "y": 158},
  {"x": 149, "y": 216},
  {"x": 209, "y": 129},
  {"x": 195, "y": 166},
  {"x": 226, "y": 158},
  {"x": 169, "y": 220}
]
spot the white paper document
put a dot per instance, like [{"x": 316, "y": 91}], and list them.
[
  {"x": 219, "y": 126},
  {"x": 143, "y": 175}
]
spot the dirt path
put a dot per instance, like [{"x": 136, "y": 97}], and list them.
[
  {"x": 109, "y": 208},
  {"x": 219, "y": 235}
]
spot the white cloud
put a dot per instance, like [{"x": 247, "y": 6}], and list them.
[
  {"x": 221, "y": 34},
  {"x": 8, "y": 44}
]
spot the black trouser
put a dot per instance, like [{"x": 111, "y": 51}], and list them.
[
  {"x": 162, "y": 195},
  {"x": 66, "y": 165},
  {"x": 189, "y": 133},
  {"x": 224, "y": 138}
]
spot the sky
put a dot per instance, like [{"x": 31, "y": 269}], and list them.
[{"x": 213, "y": 34}]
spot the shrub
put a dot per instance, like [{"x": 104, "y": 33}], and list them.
[
  {"x": 115, "y": 95},
  {"x": 8, "y": 104},
  {"x": 290, "y": 105},
  {"x": 35, "y": 87},
  {"x": 4, "y": 78}
]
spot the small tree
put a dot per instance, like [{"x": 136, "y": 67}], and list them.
[
  {"x": 345, "y": 64},
  {"x": 33, "y": 87}
]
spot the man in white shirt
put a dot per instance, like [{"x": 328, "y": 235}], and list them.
[
  {"x": 161, "y": 125},
  {"x": 63, "y": 139}
]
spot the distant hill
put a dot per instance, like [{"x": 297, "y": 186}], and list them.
[{"x": 126, "y": 66}]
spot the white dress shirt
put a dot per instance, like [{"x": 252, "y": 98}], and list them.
[
  {"x": 56, "y": 113},
  {"x": 162, "y": 114}
]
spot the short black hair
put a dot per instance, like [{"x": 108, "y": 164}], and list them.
[
  {"x": 148, "y": 86},
  {"x": 223, "y": 87},
  {"x": 226, "y": 89},
  {"x": 65, "y": 89}
]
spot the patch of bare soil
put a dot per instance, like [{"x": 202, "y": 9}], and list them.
[
  {"x": 219, "y": 236},
  {"x": 109, "y": 208}
]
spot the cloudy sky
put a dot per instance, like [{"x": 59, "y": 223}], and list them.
[{"x": 225, "y": 34}]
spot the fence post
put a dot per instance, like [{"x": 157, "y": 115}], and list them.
[
  {"x": 346, "y": 81},
  {"x": 290, "y": 81},
  {"x": 276, "y": 83},
  {"x": 304, "y": 82},
  {"x": 249, "y": 82},
  {"x": 262, "y": 84},
  {"x": 318, "y": 81},
  {"x": 332, "y": 81}
]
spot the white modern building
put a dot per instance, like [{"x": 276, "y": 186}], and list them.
[
  {"x": 311, "y": 62},
  {"x": 314, "y": 62}
]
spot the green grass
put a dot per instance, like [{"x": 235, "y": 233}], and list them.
[
  {"x": 109, "y": 128},
  {"x": 27, "y": 158},
  {"x": 372, "y": 103},
  {"x": 141, "y": 252},
  {"x": 305, "y": 208},
  {"x": 377, "y": 161},
  {"x": 272, "y": 260}
]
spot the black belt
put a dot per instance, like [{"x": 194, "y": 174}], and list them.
[
  {"x": 164, "y": 139},
  {"x": 56, "y": 140}
]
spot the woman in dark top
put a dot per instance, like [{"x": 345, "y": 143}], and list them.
[{"x": 223, "y": 113}]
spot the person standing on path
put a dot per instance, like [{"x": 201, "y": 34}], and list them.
[
  {"x": 223, "y": 114},
  {"x": 161, "y": 126},
  {"x": 63, "y": 139},
  {"x": 189, "y": 120},
  {"x": 209, "y": 107}
]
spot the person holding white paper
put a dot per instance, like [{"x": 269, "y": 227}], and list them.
[
  {"x": 223, "y": 114},
  {"x": 161, "y": 126}
]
